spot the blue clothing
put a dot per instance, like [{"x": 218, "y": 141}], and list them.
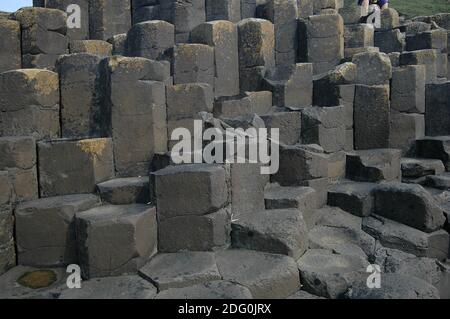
[{"x": 380, "y": 3}]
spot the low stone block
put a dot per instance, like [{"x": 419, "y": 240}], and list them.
[
  {"x": 301, "y": 198},
  {"x": 441, "y": 181},
  {"x": 435, "y": 147},
  {"x": 115, "y": 240},
  {"x": 247, "y": 188},
  {"x": 422, "y": 211},
  {"x": 35, "y": 220},
  {"x": 177, "y": 185},
  {"x": 180, "y": 270},
  {"x": 247, "y": 103},
  {"x": 324, "y": 126},
  {"x": 355, "y": 198},
  {"x": 124, "y": 191},
  {"x": 396, "y": 235},
  {"x": 374, "y": 165},
  {"x": 299, "y": 163},
  {"x": 318, "y": 268},
  {"x": 414, "y": 168},
  {"x": 280, "y": 231},
  {"x": 265, "y": 275},
  {"x": 195, "y": 233},
  {"x": 405, "y": 130}
]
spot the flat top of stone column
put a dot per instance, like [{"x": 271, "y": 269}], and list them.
[
  {"x": 253, "y": 20},
  {"x": 110, "y": 213},
  {"x": 50, "y": 19},
  {"x": 22, "y": 87},
  {"x": 189, "y": 168},
  {"x": 77, "y": 200}
]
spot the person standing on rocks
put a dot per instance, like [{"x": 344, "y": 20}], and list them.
[{"x": 383, "y": 4}]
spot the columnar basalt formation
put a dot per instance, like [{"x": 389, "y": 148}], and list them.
[{"x": 90, "y": 119}]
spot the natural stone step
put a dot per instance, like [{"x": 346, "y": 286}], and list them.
[
  {"x": 209, "y": 290},
  {"x": 299, "y": 163},
  {"x": 123, "y": 191},
  {"x": 267, "y": 276},
  {"x": 115, "y": 240},
  {"x": 436, "y": 148},
  {"x": 123, "y": 287},
  {"x": 441, "y": 181},
  {"x": 280, "y": 231},
  {"x": 282, "y": 197},
  {"x": 179, "y": 270},
  {"x": 355, "y": 198},
  {"x": 394, "y": 286},
  {"x": 409, "y": 204},
  {"x": 395, "y": 235},
  {"x": 396, "y": 261},
  {"x": 326, "y": 274},
  {"x": 374, "y": 165},
  {"x": 45, "y": 229},
  {"x": 341, "y": 233},
  {"x": 414, "y": 170},
  {"x": 178, "y": 186}
]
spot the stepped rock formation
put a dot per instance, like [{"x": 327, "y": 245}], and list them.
[{"x": 89, "y": 121}]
